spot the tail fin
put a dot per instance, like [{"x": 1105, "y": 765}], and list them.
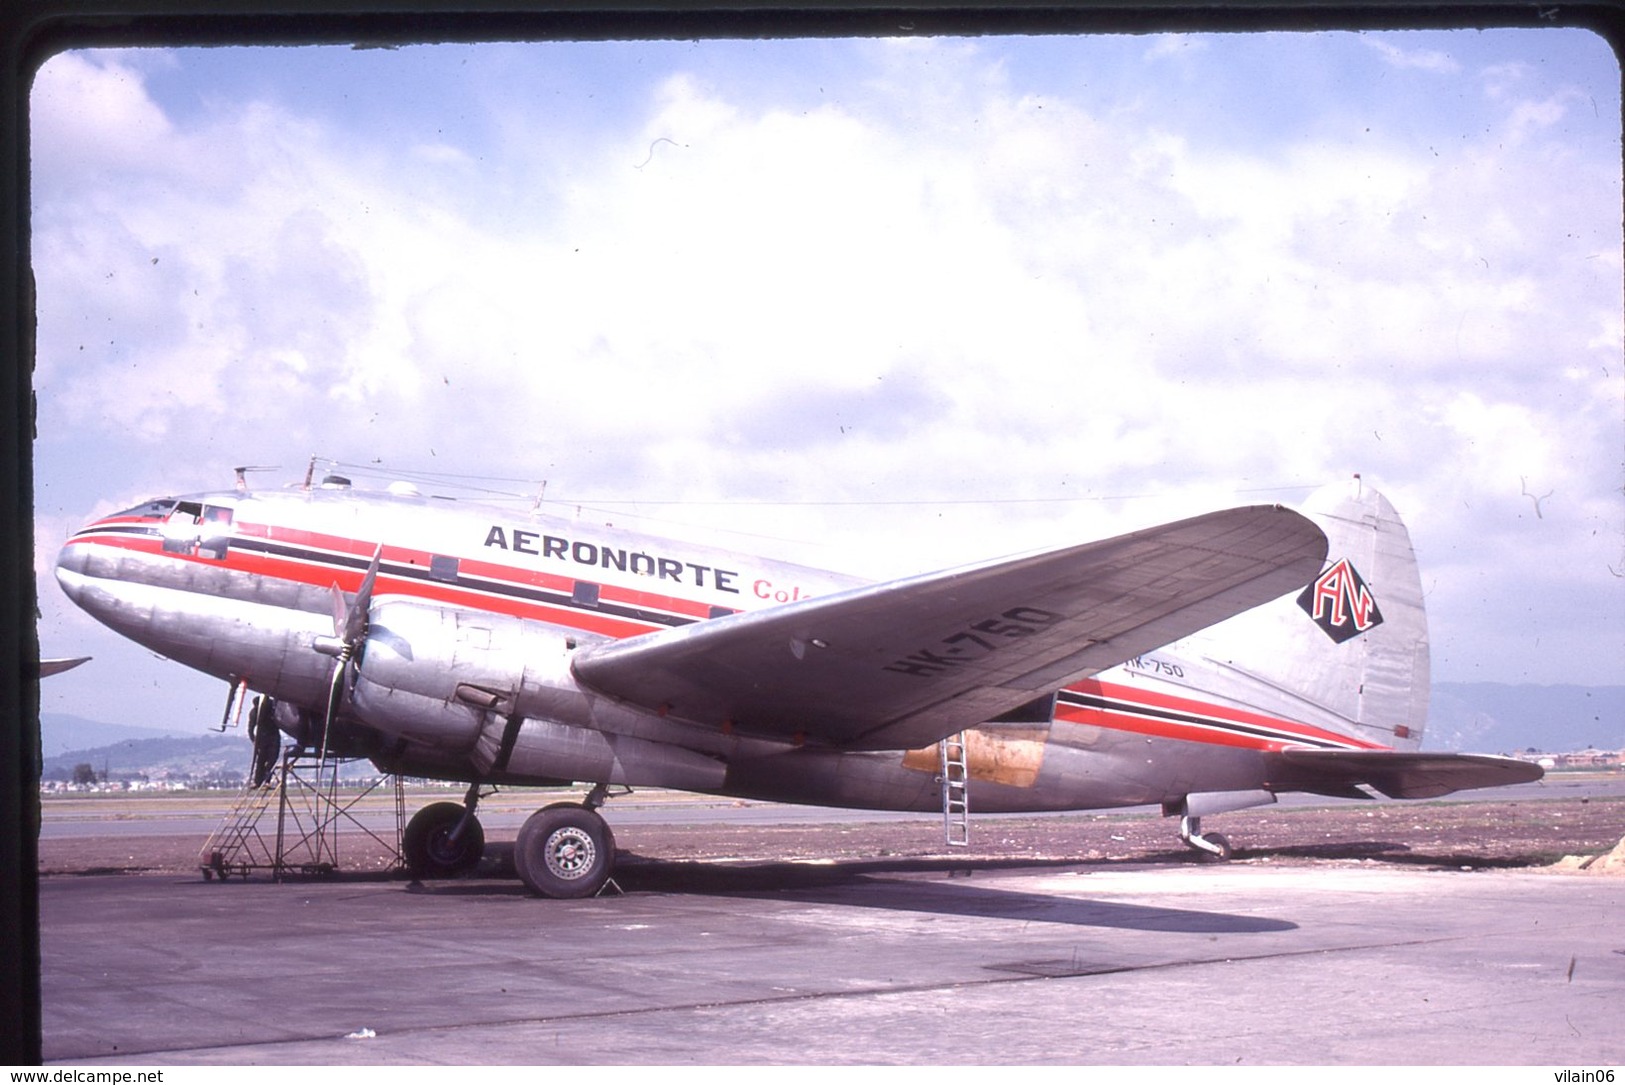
[{"x": 1350, "y": 652}]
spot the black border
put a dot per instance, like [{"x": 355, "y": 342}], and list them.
[{"x": 34, "y": 30}]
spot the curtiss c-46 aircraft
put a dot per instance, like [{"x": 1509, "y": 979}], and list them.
[{"x": 1204, "y": 665}]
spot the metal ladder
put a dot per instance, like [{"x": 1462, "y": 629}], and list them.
[
  {"x": 955, "y": 791},
  {"x": 236, "y": 846},
  {"x": 310, "y": 813}
]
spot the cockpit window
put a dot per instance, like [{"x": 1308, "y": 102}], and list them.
[
  {"x": 150, "y": 509},
  {"x": 198, "y": 530}
]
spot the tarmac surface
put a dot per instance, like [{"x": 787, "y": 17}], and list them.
[{"x": 901, "y": 960}]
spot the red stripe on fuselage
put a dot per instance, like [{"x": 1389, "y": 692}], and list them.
[
  {"x": 1147, "y": 712},
  {"x": 313, "y": 571},
  {"x": 478, "y": 569}
]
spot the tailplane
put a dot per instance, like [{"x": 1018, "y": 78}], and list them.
[{"x": 1349, "y": 653}]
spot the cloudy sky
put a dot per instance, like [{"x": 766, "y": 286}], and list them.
[{"x": 880, "y": 305}]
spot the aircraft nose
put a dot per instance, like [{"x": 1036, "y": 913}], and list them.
[{"x": 70, "y": 568}]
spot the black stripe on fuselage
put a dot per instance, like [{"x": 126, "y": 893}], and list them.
[
  {"x": 500, "y": 589},
  {"x": 1117, "y": 706},
  {"x": 497, "y": 589}
]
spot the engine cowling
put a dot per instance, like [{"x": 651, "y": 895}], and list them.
[
  {"x": 499, "y": 691},
  {"x": 542, "y": 749},
  {"x": 433, "y": 674}
]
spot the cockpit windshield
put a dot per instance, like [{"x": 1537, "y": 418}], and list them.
[{"x": 156, "y": 508}]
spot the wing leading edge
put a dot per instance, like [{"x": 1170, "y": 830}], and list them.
[{"x": 901, "y": 664}]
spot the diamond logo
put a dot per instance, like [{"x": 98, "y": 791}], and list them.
[{"x": 1340, "y": 603}]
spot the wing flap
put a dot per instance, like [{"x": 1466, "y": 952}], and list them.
[
  {"x": 901, "y": 664},
  {"x": 1398, "y": 774}
]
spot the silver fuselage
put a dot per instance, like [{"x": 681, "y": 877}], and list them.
[{"x": 476, "y": 613}]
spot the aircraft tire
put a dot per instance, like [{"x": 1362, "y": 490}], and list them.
[
  {"x": 1218, "y": 841},
  {"x": 564, "y": 851},
  {"x": 427, "y": 848}
]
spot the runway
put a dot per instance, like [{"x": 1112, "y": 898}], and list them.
[{"x": 902, "y": 961}]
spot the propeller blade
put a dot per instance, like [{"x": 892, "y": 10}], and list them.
[
  {"x": 349, "y": 619},
  {"x": 335, "y": 693},
  {"x": 350, "y": 627},
  {"x": 349, "y": 630},
  {"x": 356, "y": 620},
  {"x": 341, "y": 610}
]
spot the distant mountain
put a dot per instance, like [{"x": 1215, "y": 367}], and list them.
[
  {"x": 123, "y": 752},
  {"x": 213, "y": 756},
  {"x": 1495, "y": 717},
  {"x": 60, "y": 733}
]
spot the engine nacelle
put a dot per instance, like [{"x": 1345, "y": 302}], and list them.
[
  {"x": 435, "y": 674},
  {"x": 305, "y": 728},
  {"x": 499, "y": 690},
  {"x": 531, "y": 749}
]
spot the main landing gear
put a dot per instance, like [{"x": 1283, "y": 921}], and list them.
[
  {"x": 444, "y": 839},
  {"x": 565, "y": 850}
]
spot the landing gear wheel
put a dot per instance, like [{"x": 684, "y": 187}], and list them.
[
  {"x": 429, "y": 849},
  {"x": 1213, "y": 847},
  {"x": 564, "y": 851}
]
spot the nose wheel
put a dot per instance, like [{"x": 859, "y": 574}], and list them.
[{"x": 564, "y": 851}]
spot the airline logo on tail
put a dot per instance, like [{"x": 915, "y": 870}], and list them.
[{"x": 1340, "y": 603}]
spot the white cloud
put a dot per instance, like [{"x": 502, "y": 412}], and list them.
[
  {"x": 1427, "y": 60},
  {"x": 89, "y": 119},
  {"x": 1175, "y": 45},
  {"x": 939, "y": 284}
]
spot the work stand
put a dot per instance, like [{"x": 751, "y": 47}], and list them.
[{"x": 303, "y": 789}]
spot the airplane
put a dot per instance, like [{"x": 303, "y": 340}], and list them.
[{"x": 1204, "y": 665}]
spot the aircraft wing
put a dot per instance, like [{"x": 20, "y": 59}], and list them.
[
  {"x": 902, "y": 664},
  {"x": 48, "y": 667},
  {"x": 1399, "y": 774}
]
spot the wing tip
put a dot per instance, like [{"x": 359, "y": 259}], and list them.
[{"x": 48, "y": 667}]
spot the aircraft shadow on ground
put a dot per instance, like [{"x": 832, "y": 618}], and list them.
[
  {"x": 903, "y": 885},
  {"x": 961, "y": 898},
  {"x": 1389, "y": 852}
]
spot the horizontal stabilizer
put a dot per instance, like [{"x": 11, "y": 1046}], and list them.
[{"x": 1396, "y": 773}]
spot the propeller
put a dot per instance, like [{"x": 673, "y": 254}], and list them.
[{"x": 349, "y": 634}]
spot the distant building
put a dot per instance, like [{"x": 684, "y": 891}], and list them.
[{"x": 1589, "y": 758}]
